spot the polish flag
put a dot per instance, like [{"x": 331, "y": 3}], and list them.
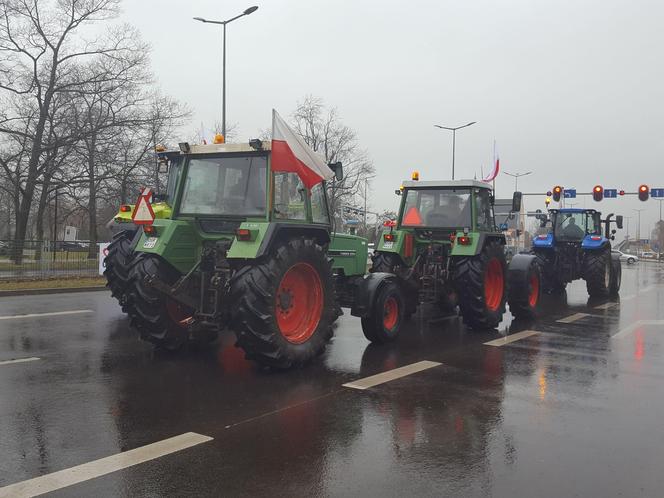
[
  {"x": 291, "y": 154},
  {"x": 496, "y": 166}
]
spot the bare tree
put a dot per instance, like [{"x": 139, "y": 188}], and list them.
[
  {"x": 42, "y": 49},
  {"x": 324, "y": 132}
]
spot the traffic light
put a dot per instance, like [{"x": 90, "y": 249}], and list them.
[
  {"x": 557, "y": 193},
  {"x": 598, "y": 193},
  {"x": 644, "y": 192},
  {"x": 621, "y": 192},
  {"x": 547, "y": 201}
]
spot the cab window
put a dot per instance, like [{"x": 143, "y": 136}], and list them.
[{"x": 289, "y": 197}]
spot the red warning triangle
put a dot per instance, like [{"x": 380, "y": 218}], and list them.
[{"x": 143, "y": 213}]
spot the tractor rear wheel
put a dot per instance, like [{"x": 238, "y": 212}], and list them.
[
  {"x": 283, "y": 307},
  {"x": 597, "y": 273},
  {"x": 158, "y": 318},
  {"x": 384, "y": 262},
  {"x": 480, "y": 282},
  {"x": 389, "y": 313},
  {"x": 117, "y": 264}
]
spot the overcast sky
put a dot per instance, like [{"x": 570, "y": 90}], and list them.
[{"x": 572, "y": 90}]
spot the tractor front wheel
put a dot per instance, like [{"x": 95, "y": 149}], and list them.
[
  {"x": 480, "y": 283},
  {"x": 525, "y": 287},
  {"x": 597, "y": 273},
  {"x": 283, "y": 307},
  {"x": 387, "y": 315},
  {"x": 158, "y": 318}
]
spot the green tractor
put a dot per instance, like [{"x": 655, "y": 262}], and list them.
[
  {"x": 250, "y": 248},
  {"x": 446, "y": 250}
]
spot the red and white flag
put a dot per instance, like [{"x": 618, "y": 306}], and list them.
[
  {"x": 496, "y": 166},
  {"x": 291, "y": 154}
]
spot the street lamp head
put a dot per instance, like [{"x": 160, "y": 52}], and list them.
[
  {"x": 199, "y": 19},
  {"x": 250, "y": 10},
  {"x": 471, "y": 123}
]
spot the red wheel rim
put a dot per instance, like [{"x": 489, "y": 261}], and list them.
[
  {"x": 299, "y": 303},
  {"x": 534, "y": 291},
  {"x": 178, "y": 312},
  {"x": 390, "y": 313},
  {"x": 493, "y": 284}
]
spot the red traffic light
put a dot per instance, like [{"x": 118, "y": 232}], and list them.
[
  {"x": 644, "y": 192},
  {"x": 557, "y": 192},
  {"x": 598, "y": 193},
  {"x": 621, "y": 192}
]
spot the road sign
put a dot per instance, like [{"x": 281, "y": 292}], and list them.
[
  {"x": 569, "y": 193},
  {"x": 657, "y": 192},
  {"x": 610, "y": 193},
  {"x": 143, "y": 213}
]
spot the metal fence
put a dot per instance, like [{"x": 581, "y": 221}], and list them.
[{"x": 47, "y": 259}]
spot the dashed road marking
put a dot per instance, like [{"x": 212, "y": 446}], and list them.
[
  {"x": 631, "y": 328},
  {"x": 511, "y": 338},
  {"x": 18, "y": 360},
  {"x": 390, "y": 375},
  {"x": 573, "y": 318},
  {"x": 627, "y": 298},
  {"x": 38, "y": 315},
  {"x": 97, "y": 468},
  {"x": 606, "y": 306}
]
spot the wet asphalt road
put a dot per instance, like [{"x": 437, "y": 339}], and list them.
[{"x": 573, "y": 410}]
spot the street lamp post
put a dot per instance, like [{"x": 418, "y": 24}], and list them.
[
  {"x": 516, "y": 178},
  {"x": 454, "y": 130},
  {"x": 223, "y": 76},
  {"x": 366, "y": 181},
  {"x": 638, "y": 225}
]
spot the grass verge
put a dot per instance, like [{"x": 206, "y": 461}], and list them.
[{"x": 55, "y": 283}]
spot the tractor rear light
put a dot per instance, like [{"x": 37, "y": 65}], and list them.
[
  {"x": 389, "y": 223},
  {"x": 464, "y": 240},
  {"x": 595, "y": 237},
  {"x": 150, "y": 230},
  {"x": 125, "y": 208},
  {"x": 388, "y": 237},
  {"x": 243, "y": 234},
  {"x": 452, "y": 237},
  {"x": 542, "y": 237}
]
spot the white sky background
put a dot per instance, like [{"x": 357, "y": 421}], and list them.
[{"x": 570, "y": 89}]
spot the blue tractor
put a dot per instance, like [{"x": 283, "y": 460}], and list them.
[{"x": 578, "y": 246}]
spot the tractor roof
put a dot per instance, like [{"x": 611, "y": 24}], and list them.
[
  {"x": 573, "y": 210},
  {"x": 218, "y": 148},
  {"x": 447, "y": 184}
]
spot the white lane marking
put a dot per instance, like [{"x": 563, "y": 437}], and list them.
[
  {"x": 97, "y": 468},
  {"x": 37, "y": 315},
  {"x": 397, "y": 373},
  {"x": 645, "y": 289},
  {"x": 573, "y": 318},
  {"x": 18, "y": 360},
  {"x": 627, "y": 298},
  {"x": 511, "y": 338},
  {"x": 631, "y": 328},
  {"x": 606, "y": 306}
]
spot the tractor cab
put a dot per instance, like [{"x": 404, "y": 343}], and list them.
[{"x": 573, "y": 225}]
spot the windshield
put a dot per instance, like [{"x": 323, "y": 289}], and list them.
[
  {"x": 437, "y": 208},
  {"x": 231, "y": 185},
  {"x": 575, "y": 226}
]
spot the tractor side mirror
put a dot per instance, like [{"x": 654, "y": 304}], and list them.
[
  {"x": 516, "y": 202},
  {"x": 162, "y": 166},
  {"x": 503, "y": 227},
  {"x": 619, "y": 221},
  {"x": 338, "y": 169}
]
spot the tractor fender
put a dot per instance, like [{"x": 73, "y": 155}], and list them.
[
  {"x": 594, "y": 242},
  {"x": 518, "y": 269},
  {"x": 367, "y": 290},
  {"x": 277, "y": 232}
]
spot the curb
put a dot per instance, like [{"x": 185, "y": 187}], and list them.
[{"x": 56, "y": 290}]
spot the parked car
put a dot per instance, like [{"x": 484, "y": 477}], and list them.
[
  {"x": 629, "y": 258},
  {"x": 649, "y": 255},
  {"x": 4, "y": 248}
]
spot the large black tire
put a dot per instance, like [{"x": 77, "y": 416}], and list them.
[
  {"x": 118, "y": 260},
  {"x": 524, "y": 289},
  {"x": 480, "y": 283},
  {"x": 387, "y": 315},
  {"x": 550, "y": 282},
  {"x": 158, "y": 319},
  {"x": 616, "y": 277},
  {"x": 384, "y": 262},
  {"x": 276, "y": 323},
  {"x": 597, "y": 273}
]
